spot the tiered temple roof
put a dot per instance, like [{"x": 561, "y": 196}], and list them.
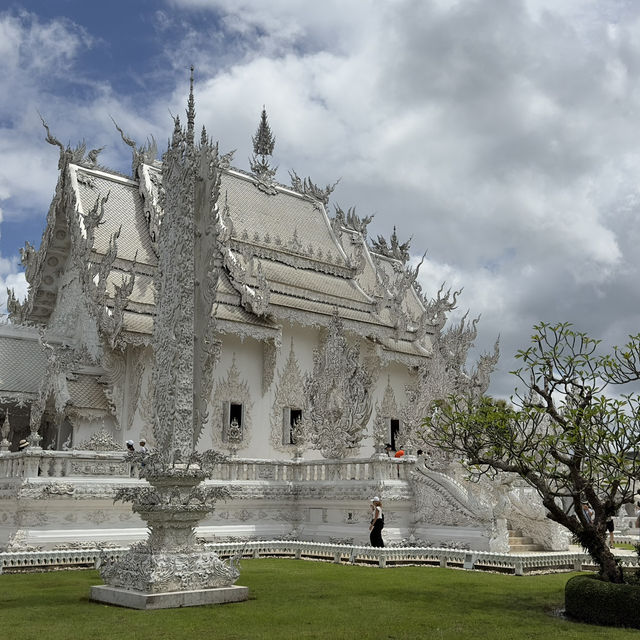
[{"x": 280, "y": 240}]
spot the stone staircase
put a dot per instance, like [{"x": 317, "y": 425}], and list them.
[{"x": 519, "y": 543}]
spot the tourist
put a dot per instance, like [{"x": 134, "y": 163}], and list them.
[
  {"x": 399, "y": 453},
  {"x": 377, "y": 523},
  {"x": 133, "y": 468},
  {"x": 389, "y": 450},
  {"x": 587, "y": 512},
  {"x": 609, "y": 525},
  {"x": 143, "y": 446},
  {"x": 22, "y": 445}
]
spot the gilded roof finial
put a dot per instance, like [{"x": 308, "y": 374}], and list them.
[{"x": 191, "y": 112}]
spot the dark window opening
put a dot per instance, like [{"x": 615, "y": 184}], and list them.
[
  {"x": 395, "y": 429},
  {"x": 235, "y": 414},
  {"x": 295, "y": 415}
]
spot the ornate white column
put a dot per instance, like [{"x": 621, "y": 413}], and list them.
[{"x": 170, "y": 569}]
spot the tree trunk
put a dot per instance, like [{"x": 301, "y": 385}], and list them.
[{"x": 598, "y": 549}]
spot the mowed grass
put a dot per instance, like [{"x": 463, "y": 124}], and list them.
[{"x": 301, "y": 599}]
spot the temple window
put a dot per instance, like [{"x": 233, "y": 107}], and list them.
[
  {"x": 394, "y": 429},
  {"x": 233, "y": 420},
  {"x": 291, "y": 416}
]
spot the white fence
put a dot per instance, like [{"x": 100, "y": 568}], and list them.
[{"x": 338, "y": 553}]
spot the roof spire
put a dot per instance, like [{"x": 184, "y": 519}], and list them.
[
  {"x": 191, "y": 112},
  {"x": 263, "y": 143}
]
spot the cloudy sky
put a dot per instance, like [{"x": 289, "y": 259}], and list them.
[{"x": 503, "y": 136}]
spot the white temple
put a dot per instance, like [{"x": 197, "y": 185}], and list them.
[{"x": 324, "y": 348}]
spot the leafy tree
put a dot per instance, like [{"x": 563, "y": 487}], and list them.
[{"x": 572, "y": 434}]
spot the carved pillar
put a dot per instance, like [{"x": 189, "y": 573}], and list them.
[
  {"x": 4, "y": 432},
  {"x": 185, "y": 350},
  {"x": 35, "y": 417}
]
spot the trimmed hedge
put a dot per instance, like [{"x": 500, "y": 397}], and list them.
[{"x": 589, "y": 599}]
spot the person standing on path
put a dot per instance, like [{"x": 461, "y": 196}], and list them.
[{"x": 377, "y": 523}]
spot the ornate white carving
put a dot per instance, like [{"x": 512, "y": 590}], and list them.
[
  {"x": 305, "y": 259},
  {"x": 4, "y": 432},
  {"x": 306, "y": 187},
  {"x": 384, "y": 414},
  {"x": 138, "y": 365},
  {"x": 184, "y": 345},
  {"x": 114, "y": 364},
  {"x": 231, "y": 390},
  {"x": 337, "y": 395},
  {"x": 185, "y": 352},
  {"x": 289, "y": 394},
  {"x": 101, "y": 440},
  {"x": 269, "y": 355},
  {"x": 245, "y": 272},
  {"x": 150, "y": 570},
  {"x": 526, "y": 513},
  {"x": 19, "y": 542},
  {"x": 440, "y": 500}
]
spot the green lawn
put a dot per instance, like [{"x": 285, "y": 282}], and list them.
[{"x": 301, "y": 599}]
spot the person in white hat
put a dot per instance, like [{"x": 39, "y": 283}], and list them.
[
  {"x": 377, "y": 523},
  {"x": 130, "y": 446},
  {"x": 23, "y": 444}
]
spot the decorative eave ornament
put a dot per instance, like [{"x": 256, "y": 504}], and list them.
[
  {"x": 393, "y": 249},
  {"x": 306, "y": 187},
  {"x": 445, "y": 374},
  {"x": 350, "y": 220}
]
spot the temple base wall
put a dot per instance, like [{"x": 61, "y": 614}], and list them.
[{"x": 324, "y": 501}]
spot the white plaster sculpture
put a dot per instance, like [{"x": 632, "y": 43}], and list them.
[{"x": 169, "y": 569}]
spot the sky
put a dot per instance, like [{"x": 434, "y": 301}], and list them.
[{"x": 501, "y": 136}]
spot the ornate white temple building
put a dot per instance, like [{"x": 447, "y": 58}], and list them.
[{"x": 324, "y": 349}]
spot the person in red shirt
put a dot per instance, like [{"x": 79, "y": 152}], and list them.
[{"x": 399, "y": 453}]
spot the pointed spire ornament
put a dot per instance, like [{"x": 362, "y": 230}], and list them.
[
  {"x": 191, "y": 112},
  {"x": 263, "y": 144},
  {"x": 263, "y": 141}
]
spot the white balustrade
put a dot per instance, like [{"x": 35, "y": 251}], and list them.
[
  {"x": 517, "y": 564},
  {"x": 59, "y": 464}
]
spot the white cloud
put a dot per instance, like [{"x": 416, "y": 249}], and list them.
[
  {"x": 501, "y": 136},
  {"x": 10, "y": 278}
]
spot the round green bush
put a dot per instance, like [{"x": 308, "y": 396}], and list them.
[{"x": 589, "y": 599}]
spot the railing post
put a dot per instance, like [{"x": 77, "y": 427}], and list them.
[
  {"x": 469, "y": 561},
  {"x": 31, "y": 463}
]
